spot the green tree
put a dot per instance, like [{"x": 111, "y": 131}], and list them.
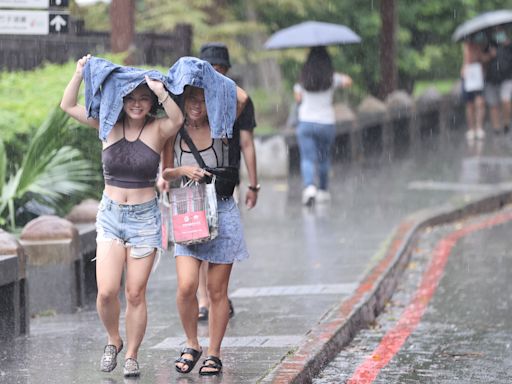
[
  {"x": 48, "y": 172},
  {"x": 425, "y": 48}
]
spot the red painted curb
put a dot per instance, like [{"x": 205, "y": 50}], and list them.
[
  {"x": 292, "y": 366},
  {"x": 393, "y": 340},
  {"x": 337, "y": 328}
]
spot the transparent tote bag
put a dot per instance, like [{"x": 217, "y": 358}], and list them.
[{"x": 193, "y": 211}]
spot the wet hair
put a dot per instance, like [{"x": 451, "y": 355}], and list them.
[{"x": 317, "y": 71}]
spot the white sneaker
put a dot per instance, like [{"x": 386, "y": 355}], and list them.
[
  {"x": 480, "y": 134},
  {"x": 309, "y": 195},
  {"x": 470, "y": 135},
  {"x": 323, "y": 196}
]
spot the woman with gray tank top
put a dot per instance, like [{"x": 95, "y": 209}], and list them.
[
  {"x": 128, "y": 220},
  {"x": 220, "y": 253}
]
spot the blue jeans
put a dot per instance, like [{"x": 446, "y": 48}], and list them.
[{"x": 315, "y": 146}]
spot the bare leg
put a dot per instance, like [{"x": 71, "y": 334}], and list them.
[
  {"x": 506, "y": 107},
  {"x": 202, "y": 294},
  {"x": 218, "y": 281},
  {"x": 110, "y": 259},
  {"x": 495, "y": 118},
  {"x": 479, "y": 112},
  {"x": 187, "y": 269},
  {"x": 137, "y": 276},
  {"x": 470, "y": 116}
]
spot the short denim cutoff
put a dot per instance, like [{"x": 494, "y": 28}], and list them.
[
  {"x": 137, "y": 226},
  {"x": 228, "y": 246}
]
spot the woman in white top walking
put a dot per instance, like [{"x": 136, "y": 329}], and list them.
[{"x": 316, "y": 130}]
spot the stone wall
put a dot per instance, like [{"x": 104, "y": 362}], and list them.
[
  {"x": 374, "y": 130},
  {"x": 14, "y": 305}
]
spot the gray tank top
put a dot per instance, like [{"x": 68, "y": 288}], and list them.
[
  {"x": 216, "y": 155},
  {"x": 130, "y": 164}
]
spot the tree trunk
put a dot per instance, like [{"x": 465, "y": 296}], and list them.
[
  {"x": 388, "y": 70},
  {"x": 122, "y": 20},
  {"x": 268, "y": 73}
]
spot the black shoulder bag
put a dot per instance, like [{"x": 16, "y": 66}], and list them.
[{"x": 226, "y": 178}]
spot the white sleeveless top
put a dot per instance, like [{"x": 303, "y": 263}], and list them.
[
  {"x": 317, "y": 107},
  {"x": 216, "y": 155}
]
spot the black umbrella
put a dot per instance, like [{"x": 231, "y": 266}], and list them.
[
  {"x": 482, "y": 22},
  {"x": 312, "y": 34}
]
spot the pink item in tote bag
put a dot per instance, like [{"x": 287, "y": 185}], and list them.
[{"x": 191, "y": 213}]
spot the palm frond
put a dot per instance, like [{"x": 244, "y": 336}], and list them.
[
  {"x": 7, "y": 197},
  {"x": 48, "y": 138},
  {"x": 64, "y": 175},
  {"x": 50, "y": 170},
  {"x": 3, "y": 165}
]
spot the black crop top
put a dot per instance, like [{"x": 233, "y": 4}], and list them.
[{"x": 130, "y": 164}]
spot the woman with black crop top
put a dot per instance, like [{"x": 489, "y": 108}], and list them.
[{"x": 128, "y": 220}]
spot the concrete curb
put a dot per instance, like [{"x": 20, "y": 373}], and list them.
[{"x": 339, "y": 325}]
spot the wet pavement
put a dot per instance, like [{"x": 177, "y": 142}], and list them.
[
  {"x": 464, "y": 334},
  {"x": 303, "y": 261}
]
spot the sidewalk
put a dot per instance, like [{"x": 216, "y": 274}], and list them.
[
  {"x": 449, "y": 318},
  {"x": 303, "y": 263}
]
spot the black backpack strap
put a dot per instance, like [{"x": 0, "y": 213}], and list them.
[{"x": 192, "y": 147}]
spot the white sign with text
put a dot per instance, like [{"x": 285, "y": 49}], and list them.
[
  {"x": 39, "y": 4},
  {"x": 32, "y": 22}
]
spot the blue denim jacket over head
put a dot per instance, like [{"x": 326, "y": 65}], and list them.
[
  {"x": 219, "y": 92},
  {"x": 106, "y": 84}
]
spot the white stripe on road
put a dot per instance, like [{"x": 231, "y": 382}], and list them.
[
  {"x": 446, "y": 186},
  {"x": 236, "y": 342},
  {"x": 292, "y": 290}
]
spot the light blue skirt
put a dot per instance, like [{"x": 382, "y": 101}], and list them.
[{"x": 229, "y": 245}]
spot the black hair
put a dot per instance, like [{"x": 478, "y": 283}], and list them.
[{"x": 317, "y": 71}]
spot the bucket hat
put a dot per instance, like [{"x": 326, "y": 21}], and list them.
[{"x": 215, "y": 54}]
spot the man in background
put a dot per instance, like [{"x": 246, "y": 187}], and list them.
[
  {"x": 498, "y": 80},
  {"x": 217, "y": 55}
]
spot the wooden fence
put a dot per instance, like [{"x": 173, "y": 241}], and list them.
[{"x": 26, "y": 52}]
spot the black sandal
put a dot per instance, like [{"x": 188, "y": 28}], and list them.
[
  {"x": 217, "y": 364},
  {"x": 231, "y": 309},
  {"x": 203, "y": 314},
  {"x": 190, "y": 363}
]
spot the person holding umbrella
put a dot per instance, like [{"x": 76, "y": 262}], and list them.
[
  {"x": 477, "y": 58},
  {"x": 473, "y": 57},
  {"x": 316, "y": 128},
  {"x": 498, "y": 80}
]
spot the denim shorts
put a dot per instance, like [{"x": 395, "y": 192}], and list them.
[
  {"x": 137, "y": 226},
  {"x": 228, "y": 246}
]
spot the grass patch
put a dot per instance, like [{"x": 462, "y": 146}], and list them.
[
  {"x": 442, "y": 86},
  {"x": 268, "y": 110}
]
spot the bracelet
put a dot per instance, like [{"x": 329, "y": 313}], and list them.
[
  {"x": 255, "y": 188},
  {"x": 165, "y": 98}
]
